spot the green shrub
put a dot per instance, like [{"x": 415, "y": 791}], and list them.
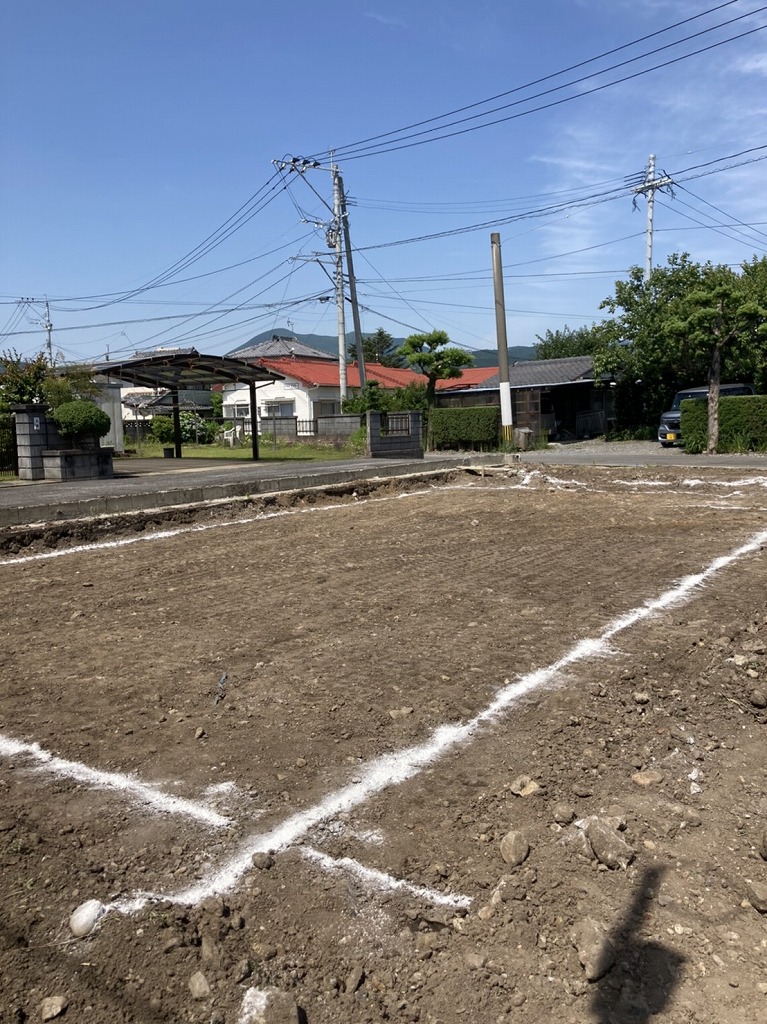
[
  {"x": 474, "y": 428},
  {"x": 742, "y": 424},
  {"x": 162, "y": 429},
  {"x": 81, "y": 418}
]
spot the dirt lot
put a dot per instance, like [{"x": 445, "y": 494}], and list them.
[{"x": 401, "y": 754}]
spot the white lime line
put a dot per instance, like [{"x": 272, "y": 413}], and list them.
[
  {"x": 146, "y": 538},
  {"x": 395, "y": 768},
  {"x": 381, "y": 881},
  {"x": 144, "y": 792}
]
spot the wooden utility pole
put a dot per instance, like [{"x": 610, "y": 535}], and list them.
[{"x": 500, "y": 332}]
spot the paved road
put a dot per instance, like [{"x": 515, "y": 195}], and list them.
[
  {"x": 151, "y": 483},
  {"x": 638, "y": 453},
  {"x": 154, "y": 483}
]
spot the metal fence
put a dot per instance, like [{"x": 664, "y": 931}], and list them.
[{"x": 9, "y": 457}]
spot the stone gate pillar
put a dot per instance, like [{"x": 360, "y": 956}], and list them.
[{"x": 34, "y": 434}]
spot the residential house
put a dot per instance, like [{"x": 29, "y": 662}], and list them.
[
  {"x": 560, "y": 396},
  {"x": 311, "y": 388}
]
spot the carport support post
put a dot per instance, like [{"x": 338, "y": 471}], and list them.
[
  {"x": 253, "y": 419},
  {"x": 176, "y": 422}
]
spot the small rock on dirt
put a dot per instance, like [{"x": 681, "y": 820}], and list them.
[
  {"x": 562, "y": 813},
  {"x": 354, "y": 979},
  {"x": 396, "y": 713},
  {"x": 84, "y": 918},
  {"x": 608, "y": 846},
  {"x": 758, "y": 698},
  {"x": 198, "y": 986},
  {"x": 52, "y": 1007},
  {"x": 514, "y": 848},
  {"x": 757, "y": 896},
  {"x": 652, "y": 777},
  {"x": 523, "y": 785},
  {"x": 595, "y": 950},
  {"x": 763, "y": 846},
  {"x": 262, "y": 861}
]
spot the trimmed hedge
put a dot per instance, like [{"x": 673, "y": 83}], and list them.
[
  {"x": 81, "y": 419},
  {"x": 474, "y": 428},
  {"x": 742, "y": 424}
]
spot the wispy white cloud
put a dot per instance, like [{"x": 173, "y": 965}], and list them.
[{"x": 384, "y": 19}]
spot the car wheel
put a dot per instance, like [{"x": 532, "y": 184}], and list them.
[{"x": 665, "y": 444}]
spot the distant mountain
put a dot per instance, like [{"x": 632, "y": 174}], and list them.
[{"x": 329, "y": 343}]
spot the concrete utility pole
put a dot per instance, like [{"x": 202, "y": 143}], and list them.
[
  {"x": 352, "y": 284},
  {"x": 500, "y": 332},
  {"x": 335, "y": 241},
  {"x": 48, "y": 329},
  {"x": 648, "y": 188}
]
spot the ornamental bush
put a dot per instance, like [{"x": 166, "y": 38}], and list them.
[
  {"x": 742, "y": 424},
  {"x": 80, "y": 419}
]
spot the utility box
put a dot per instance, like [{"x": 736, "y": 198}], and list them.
[{"x": 523, "y": 438}]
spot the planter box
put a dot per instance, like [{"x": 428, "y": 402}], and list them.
[{"x": 78, "y": 464}]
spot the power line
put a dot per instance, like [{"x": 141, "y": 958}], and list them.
[
  {"x": 528, "y": 85},
  {"x": 360, "y": 151}
]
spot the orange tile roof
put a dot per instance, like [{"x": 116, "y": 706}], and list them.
[
  {"x": 470, "y": 377},
  {"x": 315, "y": 373}
]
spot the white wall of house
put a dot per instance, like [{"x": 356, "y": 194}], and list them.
[{"x": 287, "y": 397}]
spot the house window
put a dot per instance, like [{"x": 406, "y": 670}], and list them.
[
  {"x": 242, "y": 411},
  {"x": 327, "y": 408},
  {"x": 278, "y": 409}
]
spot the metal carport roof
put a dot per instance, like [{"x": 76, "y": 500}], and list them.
[{"x": 184, "y": 369}]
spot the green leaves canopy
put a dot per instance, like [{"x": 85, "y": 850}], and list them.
[{"x": 435, "y": 357}]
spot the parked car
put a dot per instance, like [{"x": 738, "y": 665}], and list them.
[{"x": 669, "y": 429}]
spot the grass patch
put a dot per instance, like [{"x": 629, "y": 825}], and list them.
[{"x": 267, "y": 451}]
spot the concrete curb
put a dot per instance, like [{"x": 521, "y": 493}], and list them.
[{"x": 161, "y": 496}]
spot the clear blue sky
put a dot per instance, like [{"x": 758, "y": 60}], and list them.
[{"x": 132, "y": 131}]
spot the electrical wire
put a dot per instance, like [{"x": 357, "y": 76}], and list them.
[{"x": 361, "y": 150}]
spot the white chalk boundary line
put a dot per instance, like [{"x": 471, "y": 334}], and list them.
[
  {"x": 395, "y": 768},
  {"x": 143, "y": 792},
  {"x": 526, "y": 483},
  {"x": 379, "y": 880}
]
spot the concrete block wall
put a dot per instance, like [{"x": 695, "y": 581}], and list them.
[{"x": 382, "y": 445}]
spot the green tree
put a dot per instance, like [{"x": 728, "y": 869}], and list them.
[
  {"x": 22, "y": 380},
  {"x": 33, "y": 380},
  {"x": 583, "y": 341},
  {"x": 687, "y": 324},
  {"x": 436, "y": 358},
  {"x": 378, "y": 348}
]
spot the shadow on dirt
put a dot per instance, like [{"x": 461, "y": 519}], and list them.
[{"x": 645, "y": 974}]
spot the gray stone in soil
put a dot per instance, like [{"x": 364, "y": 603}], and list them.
[
  {"x": 52, "y": 1007},
  {"x": 594, "y": 948},
  {"x": 280, "y": 1008},
  {"x": 514, "y": 848},
  {"x": 757, "y": 896},
  {"x": 763, "y": 846},
  {"x": 758, "y": 698},
  {"x": 262, "y": 861},
  {"x": 198, "y": 986},
  {"x": 562, "y": 813},
  {"x": 354, "y": 979},
  {"x": 608, "y": 846}
]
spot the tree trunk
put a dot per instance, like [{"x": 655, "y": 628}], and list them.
[{"x": 714, "y": 376}]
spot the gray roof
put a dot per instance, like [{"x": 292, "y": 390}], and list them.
[
  {"x": 183, "y": 369},
  {"x": 543, "y": 373},
  {"x": 279, "y": 345}
]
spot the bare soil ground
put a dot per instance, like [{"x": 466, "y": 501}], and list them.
[{"x": 314, "y": 674}]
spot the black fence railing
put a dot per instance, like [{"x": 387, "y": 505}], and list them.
[{"x": 9, "y": 457}]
